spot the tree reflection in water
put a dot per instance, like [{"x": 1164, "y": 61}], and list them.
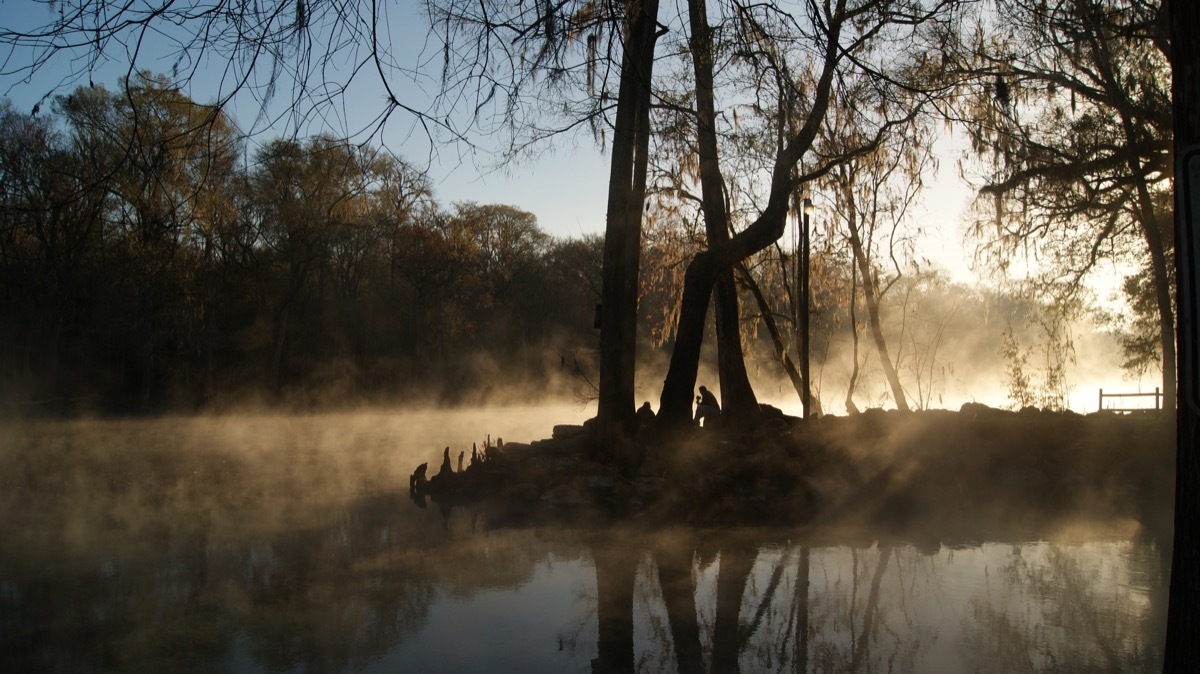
[
  {"x": 745, "y": 604},
  {"x": 1053, "y": 608},
  {"x": 216, "y": 563}
]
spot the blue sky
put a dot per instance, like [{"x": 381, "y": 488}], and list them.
[{"x": 565, "y": 187}]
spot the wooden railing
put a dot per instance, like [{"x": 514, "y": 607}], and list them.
[{"x": 1121, "y": 396}]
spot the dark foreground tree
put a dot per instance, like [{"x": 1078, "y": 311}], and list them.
[
  {"x": 623, "y": 232},
  {"x": 534, "y": 71},
  {"x": 736, "y": 394},
  {"x": 1183, "y": 622}
]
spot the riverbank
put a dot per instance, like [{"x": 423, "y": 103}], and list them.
[{"x": 937, "y": 470}]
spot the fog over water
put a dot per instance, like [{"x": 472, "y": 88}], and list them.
[{"x": 274, "y": 542}]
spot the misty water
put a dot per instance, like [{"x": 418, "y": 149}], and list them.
[{"x": 269, "y": 543}]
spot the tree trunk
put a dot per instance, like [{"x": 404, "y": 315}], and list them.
[
  {"x": 851, "y": 408},
  {"x": 871, "y": 297},
  {"x": 622, "y": 237},
  {"x": 1148, "y": 222},
  {"x": 674, "y": 563},
  {"x": 1183, "y": 622},
  {"x": 736, "y": 565},
  {"x": 800, "y": 612},
  {"x": 737, "y": 396},
  {"x": 1162, "y": 298},
  {"x": 1152, "y": 233},
  {"x": 616, "y": 569},
  {"x": 146, "y": 337},
  {"x": 675, "y": 403},
  {"x": 781, "y": 350},
  {"x": 860, "y": 650},
  {"x": 280, "y": 338}
]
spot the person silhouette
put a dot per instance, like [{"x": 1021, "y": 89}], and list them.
[
  {"x": 707, "y": 406},
  {"x": 645, "y": 415}
]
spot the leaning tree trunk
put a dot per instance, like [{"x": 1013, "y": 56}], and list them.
[
  {"x": 768, "y": 318},
  {"x": 871, "y": 299},
  {"x": 1162, "y": 298},
  {"x": 737, "y": 396},
  {"x": 675, "y": 403},
  {"x": 851, "y": 408},
  {"x": 622, "y": 238},
  {"x": 1183, "y": 622}
]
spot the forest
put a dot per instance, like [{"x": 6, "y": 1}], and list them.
[
  {"x": 155, "y": 253},
  {"x": 151, "y": 260}
]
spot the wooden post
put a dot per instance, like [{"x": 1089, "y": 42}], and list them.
[{"x": 1101, "y": 408}]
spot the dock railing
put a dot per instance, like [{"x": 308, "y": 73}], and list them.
[{"x": 1123, "y": 396}]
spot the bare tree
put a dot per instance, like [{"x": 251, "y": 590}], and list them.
[
  {"x": 873, "y": 195},
  {"x": 297, "y": 61}
]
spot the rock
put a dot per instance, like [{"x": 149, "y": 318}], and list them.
[
  {"x": 770, "y": 411},
  {"x": 564, "y": 431},
  {"x": 976, "y": 409}
]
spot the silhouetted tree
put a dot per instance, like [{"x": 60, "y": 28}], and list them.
[
  {"x": 157, "y": 156},
  {"x": 1182, "y": 649},
  {"x": 50, "y": 228},
  {"x": 766, "y": 56}
]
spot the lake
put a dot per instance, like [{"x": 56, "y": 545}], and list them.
[{"x": 281, "y": 543}]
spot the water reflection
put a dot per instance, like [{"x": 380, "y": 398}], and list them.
[
  {"x": 238, "y": 572},
  {"x": 795, "y": 607}
]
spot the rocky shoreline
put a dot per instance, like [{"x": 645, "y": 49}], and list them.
[{"x": 908, "y": 471}]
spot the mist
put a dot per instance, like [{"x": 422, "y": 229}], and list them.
[{"x": 390, "y": 462}]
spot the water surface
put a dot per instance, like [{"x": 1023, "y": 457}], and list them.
[{"x": 288, "y": 543}]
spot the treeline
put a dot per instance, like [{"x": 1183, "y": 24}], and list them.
[{"x": 148, "y": 261}]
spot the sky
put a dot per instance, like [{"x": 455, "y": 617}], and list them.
[{"x": 565, "y": 187}]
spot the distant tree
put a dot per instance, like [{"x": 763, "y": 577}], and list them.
[
  {"x": 311, "y": 200},
  {"x": 51, "y": 237},
  {"x": 1052, "y": 353},
  {"x": 505, "y": 250},
  {"x": 158, "y": 156}
]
